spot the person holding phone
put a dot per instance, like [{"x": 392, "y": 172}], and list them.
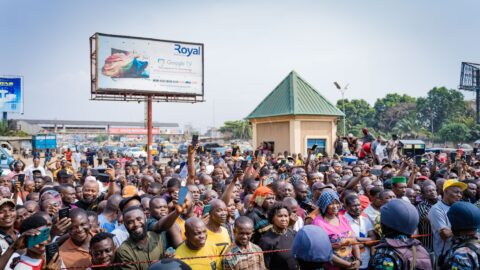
[{"x": 32, "y": 240}]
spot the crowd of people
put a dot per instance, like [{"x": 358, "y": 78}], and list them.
[{"x": 368, "y": 206}]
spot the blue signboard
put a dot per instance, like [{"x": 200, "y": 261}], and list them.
[{"x": 11, "y": 94}]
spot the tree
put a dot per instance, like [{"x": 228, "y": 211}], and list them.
[
  {"x": 411, "y": 128},
  {"x": 358, "y": 113},
  {"x": 390, "y": 109},
  {"x": 454, "y": 132},
  {"x": 240, "y": 129},
  {"x": 440, "y": 106}
]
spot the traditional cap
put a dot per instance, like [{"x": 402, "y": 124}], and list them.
[
  {"x": 454, "y": 183},
  {"x": 311, "y": 244},
  {"x": 129, "y": 191},
  {"x": 464, "y": 216},
  {"x": 400, "y": 216},
  {"x": 399, "y": 179}
]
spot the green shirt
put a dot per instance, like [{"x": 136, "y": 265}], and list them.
[{"x": 129, "y": 251}]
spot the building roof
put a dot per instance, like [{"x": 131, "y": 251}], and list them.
[
  {"x": 294, "y": 96},
  {"x": 94, "y": 123}
]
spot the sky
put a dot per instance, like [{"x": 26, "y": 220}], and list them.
[{"x": 377, "y": 47}]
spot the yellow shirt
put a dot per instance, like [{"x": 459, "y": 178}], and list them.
[
  {"x": 203, "y": 263},
  {"x": 181, "y": 223},
  {"x": 221, "y": 239}
]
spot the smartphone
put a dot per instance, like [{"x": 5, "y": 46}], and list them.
[
  {"x": 37, "y": 239},
  {"x": 314, "y": 147},
  {"x": 50, "y": 251},
  {"x": 21, "y": 178},
  {"x": 256, "y": 153},
  {"x": 376, "y": 172},
  {"x": 418, "y": 161},
  {"x": 64, "y": 212},
  {"x": 182, "y": 194},
  {"x": 244, "y": 164},
  {"x": 195, "y": 140},
  {"x": 206, "y": 209},
  {"x": 202, "y": 197},
  {"x": 453, "y": 156},
  {"x": 468, "y": 159},
  {"x": 323, "y": 168}
]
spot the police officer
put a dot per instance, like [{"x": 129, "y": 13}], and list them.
[
  {"x": 464, "y": 253},
  {"x": 399, "y": 220},
  {"x": 169, "y": 264}
]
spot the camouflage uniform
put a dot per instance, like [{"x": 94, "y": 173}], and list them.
[
  {"x": 461, "y": 256},
  {"x": 385, "y": 258}
]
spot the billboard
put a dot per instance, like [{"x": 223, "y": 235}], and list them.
[
  {"x": 147, "y": 66},
  {"x": 11, "y": 94}
]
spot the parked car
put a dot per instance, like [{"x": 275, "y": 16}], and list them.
[
  {"x": 136, "y": 152},
  {"x": 183, "y": 149},
  {"x": 208, "y": 147}
]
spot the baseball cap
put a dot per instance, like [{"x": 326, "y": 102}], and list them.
[
  {"x": 9, "y": 201},
  {"x": 129, "y": 191},
  {"x": 127, "y": 200},
  {"x": 454, "y": 183}
]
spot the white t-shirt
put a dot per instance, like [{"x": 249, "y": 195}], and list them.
[
  {"x": 372, "y": 213},
  {"x": 29, "y": 171},
  {"x": 25, "y": 262},
  {"x": 361, "y": 227}
]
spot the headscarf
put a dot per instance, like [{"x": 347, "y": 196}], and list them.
[
  {"x": 295, "y": 178},
  {"x": 326, "y": 198},
  {"x": 260, "y": 195}
]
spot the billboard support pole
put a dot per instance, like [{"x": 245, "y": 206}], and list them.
[{"x": 149, "y": 130}]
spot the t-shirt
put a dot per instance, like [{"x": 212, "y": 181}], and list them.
[
  {"x": 438, "y": 220},
  {"x": 221, "y": 239},
  {"x": 361, "y": 227},
  {"x": 202, "y": 263},
  {"x": 372, "y": 213},
  {"x": 29, "y": 171},
  {"x": 106, "y": 224},
  {"x": 25, "y": 263}
]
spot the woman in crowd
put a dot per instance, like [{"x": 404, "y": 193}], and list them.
[
  {"x": 345, "y": 256},
  {"x": 279, "y": 237}
]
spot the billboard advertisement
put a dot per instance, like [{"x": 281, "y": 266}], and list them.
[
  {"x": 148, "y": 66},
  {"x": 11, "y": 94}
]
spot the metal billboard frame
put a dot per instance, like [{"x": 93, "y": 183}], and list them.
[{"x": 134, "y": 95}]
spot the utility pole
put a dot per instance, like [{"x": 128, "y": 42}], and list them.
[{"x": 343, "y": 90}]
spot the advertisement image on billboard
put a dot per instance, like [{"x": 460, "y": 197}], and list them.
[
  {"x": 148, "y": 66},
  {"x": 11, "y": 94}
]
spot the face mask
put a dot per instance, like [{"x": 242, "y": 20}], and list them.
[{"x": 208, "y": 187}]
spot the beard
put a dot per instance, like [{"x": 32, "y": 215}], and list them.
[{"x": 139, "y": 236}]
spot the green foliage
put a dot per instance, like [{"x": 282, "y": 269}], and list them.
[
  {"x": 101, "y": 138},
  {"x": 440, "y": 106},
  {"x": 455, "y": 132},
  {"x": 240, "y": 129},
  {"x": 390, "y": 109},
  {"x": 358, "y": 113},
  {"x": 5, "y": 131}
]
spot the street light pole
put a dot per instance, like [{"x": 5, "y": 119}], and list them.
[{"x": 342, "y": 90}]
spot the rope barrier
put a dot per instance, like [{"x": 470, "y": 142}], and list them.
[{"x": 223, "y": 255}]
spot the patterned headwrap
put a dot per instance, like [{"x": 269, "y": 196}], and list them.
[
  {"x": 328, "y": 196},
  {"x": 295, "y": 178},
  {"x": 260, "y": 194}
]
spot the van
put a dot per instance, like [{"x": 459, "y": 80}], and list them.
[
  {"x": 5, "y": 159},
  {"x": 7, "y": 147}
]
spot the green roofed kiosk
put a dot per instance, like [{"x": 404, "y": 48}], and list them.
[{"x": 293, "y": 117}]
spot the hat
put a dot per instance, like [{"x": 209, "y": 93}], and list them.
[
  {"x": 454, "y": 183},
  {"x": 311, "y": 244},
  {"x": 326, "y": 198},
  {"x": 4, "y": 201},
  {"x": 63, "y": 174},
  {"x": 422, "y": 177},
  {"x": 129, "y": 191},
  {"x": 127, "y": 200},
  {"x": 400, "y": 216},
  {"x": 399, "y": 179},
  {"x": 464, "y": 216}
]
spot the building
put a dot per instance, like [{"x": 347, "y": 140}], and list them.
[{"x": 294, "y": 117}]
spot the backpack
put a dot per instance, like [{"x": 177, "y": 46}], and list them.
[
  {"x": 442, "y": 263},
  {"x": 412, "y": 254}
]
